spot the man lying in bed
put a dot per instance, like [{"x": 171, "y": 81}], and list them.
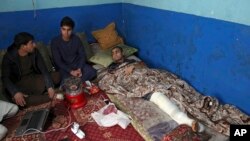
[
  {"x": 173, "y": 95},
  {"x": 118, "y": 58},
  {"x": 126, "y": 64}
]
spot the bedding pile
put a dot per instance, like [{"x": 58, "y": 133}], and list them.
[{"x": 144, "y": 80}]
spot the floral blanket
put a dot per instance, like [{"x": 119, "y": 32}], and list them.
[{"x": 145, "y": 80}]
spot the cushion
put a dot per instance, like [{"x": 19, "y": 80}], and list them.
[
  {"x": 85, "y": 44},
  {"x": 95, "y": 47},
  {"x": 2, "y": 53},
  {"x": 127, "y": 50},
  {"x": 133, "y": 57},
  {"x": 107, "y": 37},
  {"x": 44, "y": 50},
  {"x": 98, "y": 67},
  {"x": 104, "y": 58}
]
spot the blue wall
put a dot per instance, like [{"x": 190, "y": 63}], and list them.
[
  {"x": 204, "y": 42},
  {"x": 46, "y": 22},
  {"x": 17, "y": 5},
  {"x": 212, "y": 55}
]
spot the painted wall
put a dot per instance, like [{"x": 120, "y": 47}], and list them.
[
  {"x": 204, "y": 42},
  {"x": 17, "y": 5},
  {"x": 44, "y": 23},
  {"x": 228, "y": 10},
  {"x": 212, "y": 55}
]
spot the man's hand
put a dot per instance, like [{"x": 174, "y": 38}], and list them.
[
  {"x": 76, "y": 73},
  {"x": 73, "y": 73},
  {"x": 79, "y": 73},
  {"x": 51, "y": 92},
  {"x": 19, "y": 98},
  {"x": 129, "y": 70}
]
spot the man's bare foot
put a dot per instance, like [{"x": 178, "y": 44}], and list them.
[{"x": 195, "y": 126}]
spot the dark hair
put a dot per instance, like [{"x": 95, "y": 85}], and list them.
[
  {"x": 22, "y": 38},
  {"x": 67, "y": 21},
  {"x": 117, "y": 48}
]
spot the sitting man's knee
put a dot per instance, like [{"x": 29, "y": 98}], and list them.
[
  {"x": 3, "y": 131},
  {"x": 14, "y": 110}
]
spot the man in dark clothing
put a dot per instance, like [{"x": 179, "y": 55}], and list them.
[
  {"x": 24, "y": 74},
  {"x": 68, "y": 53}
]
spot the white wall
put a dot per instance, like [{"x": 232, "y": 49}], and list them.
[{"x": 237, "y": 11}]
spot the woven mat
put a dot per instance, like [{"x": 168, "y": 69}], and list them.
[
  {"x": 96, "y": 133},
  {"x": 82, "y": 116},
  {"x": 185, "y": 133},
  {"x": 12, "y": 123}
]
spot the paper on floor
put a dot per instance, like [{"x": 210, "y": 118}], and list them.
[{"x": 112, "y": 118}]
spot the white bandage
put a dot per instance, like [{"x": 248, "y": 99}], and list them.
[{"x": 164, "y": 103}]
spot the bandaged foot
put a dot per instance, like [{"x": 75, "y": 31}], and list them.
[{"x": 164, "y": 103}]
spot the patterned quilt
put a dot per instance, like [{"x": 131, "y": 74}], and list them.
[
  {"x": 147, "y": 118},
  {"x": 145, "y": 80}
]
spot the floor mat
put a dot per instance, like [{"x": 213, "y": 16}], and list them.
[{"x": 82, "y": 116}]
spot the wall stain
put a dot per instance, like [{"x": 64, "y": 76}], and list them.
[
  {"x": 243, "y": 58},
  {"x": 197, "y": 31},
  {"x": 192, "y": 77},
  {"x": 216, "y": 54},
  {"x": 191, "y": 47}
]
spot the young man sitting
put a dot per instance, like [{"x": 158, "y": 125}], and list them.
[
  {"x": 24, "y": 74},
  {"x": 68, "y": 53}
]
